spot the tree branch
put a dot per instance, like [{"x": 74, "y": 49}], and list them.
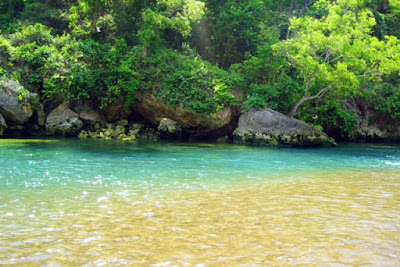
[{"x": 308, "y": 98}]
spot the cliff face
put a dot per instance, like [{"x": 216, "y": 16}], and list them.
[
  {"x": 369, "y": 125},
  {"x": 194, "y": 125},
  {"x": 19, "y": 118},
  {"x": 22, "y": 115}
]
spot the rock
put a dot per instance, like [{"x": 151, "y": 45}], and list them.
[
  {"x": 32, "y": 130},
  {"x": 269, "y": 127},
  {"x": 169, "y": 128},
  {"x": 372, "y": 125},
  {"x": 97, "y": 127},
  {"x": 136, "y": 128},
  {"x": 88, "y": 115},
  {"x": 3, "y": 125},
  {"x": 63, "y": 121},
  {"x": 116, "y": 112},
  {"x": 83, "y": 134},
  {"x": 122, "y": 136},
  {"x": 122, "y": 123},
  {"x": 129, "y": 138},
  {"x": 224, "y": 140},
  {"x": 14, "y": 109},
  {"x": 16, "y": 127},
  {"x": 41, "y": 115},
  {"x": 193, "y": 124},
  {"x": 120, "y": 130},
  {"x": 149, "y": 134},
  {"x": 107, "y": 133}
]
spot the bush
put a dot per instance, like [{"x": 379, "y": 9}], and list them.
[
  {"x": 331, "y": 116},
  {"x": 386, "y": 98},
  {"x": 185, "y": 81}
]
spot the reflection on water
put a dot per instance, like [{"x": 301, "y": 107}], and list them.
[{"x": 59, "y": 213}]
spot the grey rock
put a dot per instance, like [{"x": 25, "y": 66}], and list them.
[
  {"x": 41, "y": 115},
  {"x": 88, "y": 115},
  {"x": 120, "y": 130},
  {"x": 12, "y": 108},
  {"x": 135, "y": 129},
  {"x": 110, "y": 126},
  {"x": 169, "y": 128},
  {"x": 3, "y": 125},
  {"x": 63, "y": 121},
  {"x": 269, "y": 127}
]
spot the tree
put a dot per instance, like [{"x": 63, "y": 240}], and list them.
[
  {"x": 176, "y": 15},
  {"x": 337, "y": 52},
  {"x": 395, "y": 6},
  {"x": 86, "y": 17}
]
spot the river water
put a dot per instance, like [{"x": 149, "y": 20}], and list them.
[{"x": 102, "y": 203}]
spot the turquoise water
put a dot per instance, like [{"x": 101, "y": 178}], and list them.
[
  {"x": 73, "y": 162},
  {"x": 174, "y": 204}
]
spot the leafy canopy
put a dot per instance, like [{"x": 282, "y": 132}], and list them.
[{"x": 337, "y": 52}]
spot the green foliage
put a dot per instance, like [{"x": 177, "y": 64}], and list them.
[
  {"x": 385, "y": 98},
  {"x": 280, "y": 96},
  {"x": 176, "y": 15},
  {"x": 231, "y": 29},
  {"x": 98, "y": 72},
  {"x": 185, "y": 81},
  {"x": 90, "y": 17},
  {"x": 272, "y": 53},
  {"x": 23, "y": 94},
  {"x": 337, "y": 52},
  {"x": 333, "y": 117}
]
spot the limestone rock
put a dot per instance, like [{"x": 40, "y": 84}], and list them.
[
  {"x": 83, "y": 134},
  {"x": 269, "y": 127},
  {"x": 41, "y": 115},
  {"x": 169, "y": 128},
  {"x": 3, "y": 125},
  {"x": 135, "y": 129},
  {"x": 88, "y": 115},
  {"x": 193, "y": 124},
  {"x": 120, "y": 130},
  {"x": 63, "y": 121},
  {"x": 13, "y": 109},
  {"x": 116, "y": 112}
]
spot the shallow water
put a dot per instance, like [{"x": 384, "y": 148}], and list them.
[{"x": 96, "y": 203}]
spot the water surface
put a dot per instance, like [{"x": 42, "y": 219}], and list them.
[{"x": 96, "y": 203}]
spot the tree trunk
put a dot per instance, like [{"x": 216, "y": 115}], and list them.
[
  {"x": 289, "y": 15},
  {"x": 296, "y": 106},
  {"x": 307, "y": 98}
]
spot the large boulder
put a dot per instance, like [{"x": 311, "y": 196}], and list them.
[
  {"x": 13, "y": 106},
  {"x": 3, "y": 125},
  {"x": 269, "y": 127},
  {"x": 193, "y": 124},
  {"x": 63, "y": 121}
]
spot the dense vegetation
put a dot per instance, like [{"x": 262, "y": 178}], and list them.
[{"x": 305, "y": 58}]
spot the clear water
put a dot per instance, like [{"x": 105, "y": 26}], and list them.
[{"x": 96, "y": 203}]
